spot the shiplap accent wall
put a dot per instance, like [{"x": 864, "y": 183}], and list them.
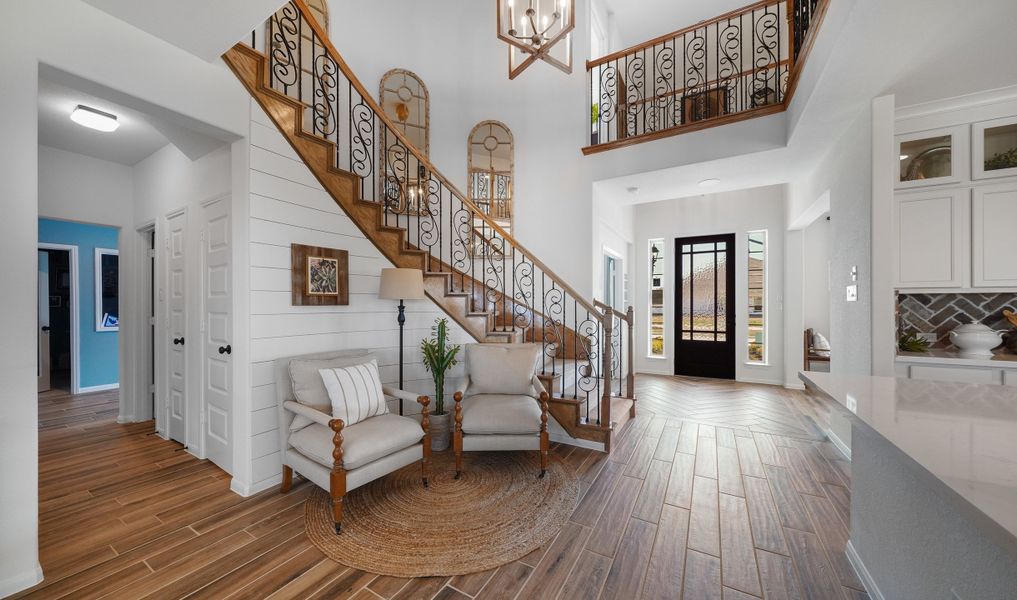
[{"x": 289, "y": 206}]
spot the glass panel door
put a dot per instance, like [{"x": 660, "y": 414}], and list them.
[{"x": 705, "y": 310}]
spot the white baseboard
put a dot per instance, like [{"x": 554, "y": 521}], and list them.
[
  {"x": 796, "y": 385},
  {"x": 124, "y": 419},
  {"x": 245, "y": 489},
  {"x": 839, "y": 444},
  {"x": 21, "y": 581},
  {"x": 99, "y": 388},
  {"x": 863, "y": 573}
]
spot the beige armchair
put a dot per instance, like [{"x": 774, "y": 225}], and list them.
[
  {"x": 501, "y": 405},
  {"x": 324, "y": 450}
]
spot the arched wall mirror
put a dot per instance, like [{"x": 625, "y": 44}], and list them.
[
  {"x": 491, "y": 153},
  {"x": 404, "y": 98}
]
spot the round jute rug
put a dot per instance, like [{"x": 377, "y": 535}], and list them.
[{"x": 497, "y": 512}]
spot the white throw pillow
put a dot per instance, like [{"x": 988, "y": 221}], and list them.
[
  {"x": 502, "y": 368},
  {"x": 308, "y": 388},
  {"x": 355, "y": 392},
  {"x": 819, "y": 342}
]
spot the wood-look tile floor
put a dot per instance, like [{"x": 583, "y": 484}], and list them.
[{"x": 680, "y": 509}]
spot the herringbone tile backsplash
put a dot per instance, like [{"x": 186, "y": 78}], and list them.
[{"x": 940, "y": 313}]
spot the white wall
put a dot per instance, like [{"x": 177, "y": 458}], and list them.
[
  {"x": 288, "y": 205},
  {"x": 846, "y": 173},
  {"x": 817, "y": 276},
  {"x": 613, "y": 233},
  {"x": 730, "y": 212}
]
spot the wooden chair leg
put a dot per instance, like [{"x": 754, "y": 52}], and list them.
[
  {"x": 545, "y": 447},
  {"x": 287, "y": 479},
  {"x": 337, "y": 479},
  {"x": 425, "y": 423},
  {"x": 457, "y": 434}
]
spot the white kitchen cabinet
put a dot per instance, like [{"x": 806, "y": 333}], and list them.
[
  {"x": 994, "y": 235},
  {"x": 1010, "y": 378},
  {"x": 933, "y": 239}
]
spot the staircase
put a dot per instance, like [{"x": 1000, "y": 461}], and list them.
[{"x": 483, "y": 278}]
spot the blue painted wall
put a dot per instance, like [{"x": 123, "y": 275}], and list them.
[{"x": 99, "y": 350}]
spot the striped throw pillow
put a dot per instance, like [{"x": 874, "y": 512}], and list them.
[{"x": 355, "y": 392}]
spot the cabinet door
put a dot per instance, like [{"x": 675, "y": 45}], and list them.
[
  {"x": 994, "y": 236},
  {"x": 932, "y": 239}
]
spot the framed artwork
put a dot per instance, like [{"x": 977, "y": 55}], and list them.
[
  {"x": 107, "y": 289},
  {"x": 320, "y": 276}
]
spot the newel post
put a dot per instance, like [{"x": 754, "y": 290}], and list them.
[
  {"x": 630, "y": 378},
  {"x": 605, "y": 400}
]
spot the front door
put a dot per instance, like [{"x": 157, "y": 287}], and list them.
[
  {"x": 176, "y": 317},
  {"x": 217, "y": 337},
  {"x": 704, "y": 303},
  {"x": 43, "y": 360}
]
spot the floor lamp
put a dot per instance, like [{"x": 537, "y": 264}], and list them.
[{"x": 401, "y": 284}]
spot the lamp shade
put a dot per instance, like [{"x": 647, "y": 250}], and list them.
[{"x": 401, "y": 284}]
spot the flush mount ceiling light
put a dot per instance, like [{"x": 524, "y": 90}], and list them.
[
  {"x": 92, "y": 118},
  {"x": 709, "y": 183},
  {"x": 533, "y": 30}
]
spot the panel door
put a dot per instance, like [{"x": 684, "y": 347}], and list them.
[
  {"x": 932, "y": 239},
  {"x": 176, "y": 323},
  {"x": 705, "y": 319},
  {"x": 217, "y": 333},
  {"x": 994, "y": 237},
  {"x": 43, "y": 359}
]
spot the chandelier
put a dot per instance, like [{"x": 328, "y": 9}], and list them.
[{"x": 537, "y": 30}]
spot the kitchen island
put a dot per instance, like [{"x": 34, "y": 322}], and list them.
[{"x": 934, "y": 484}]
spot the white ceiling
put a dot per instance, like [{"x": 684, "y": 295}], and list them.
[
  {"x": 203, "y": 28},
  {"x": 133, "y": 141},
  {"x": 637, "y": 21}
]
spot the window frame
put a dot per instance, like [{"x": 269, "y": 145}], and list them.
[
  {"x": 766, "y": 297},
  {"x": 97, "y": 285},
  {"x": 662, "y": 244}
]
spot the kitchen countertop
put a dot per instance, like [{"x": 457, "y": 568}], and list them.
[
  {"x": 962, "y": 434},
  {"x": 941, "y": 356}
]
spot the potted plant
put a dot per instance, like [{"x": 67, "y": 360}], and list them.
[{"x": 439, "y": 357}]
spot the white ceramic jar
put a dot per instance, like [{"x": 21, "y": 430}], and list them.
[{"x": 975, "y": 339}]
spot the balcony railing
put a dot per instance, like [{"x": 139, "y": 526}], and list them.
[{"x": 739, "y": 65}]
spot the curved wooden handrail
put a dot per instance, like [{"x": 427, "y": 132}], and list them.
[
  {"x": 423, "y": 160},
  {"x": 668, "y": 36}
]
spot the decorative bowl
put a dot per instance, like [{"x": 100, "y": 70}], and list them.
[{"x": 975, "y": 339}]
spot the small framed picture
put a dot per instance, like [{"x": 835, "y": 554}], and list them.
[{"x": 322, "y": 276}]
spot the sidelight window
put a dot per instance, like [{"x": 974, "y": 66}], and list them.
[
  {"x": 656, "y": 308},
  {"x": 757, "y": 345}
]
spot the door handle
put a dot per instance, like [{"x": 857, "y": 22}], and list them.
[
  {"x": 45, "y": 328},
  {"x": 227, "y": 349},
  {"x": 178, "y": 341}
]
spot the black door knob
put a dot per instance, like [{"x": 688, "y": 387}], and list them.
[
  {"x": 45, "y": 328},
  {"x": 178, "y": 341},
  {"x": 227, "y": 349}
]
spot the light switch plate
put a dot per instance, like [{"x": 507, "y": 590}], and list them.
[{"x": 852, "y": 293}]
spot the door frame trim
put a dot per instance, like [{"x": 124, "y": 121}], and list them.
[
  {"x": 732, "y": 295},
  {"x": 137, "y": 404},
  {"x": 75, "y": 310},
  {"x": 162, "y": 326}
]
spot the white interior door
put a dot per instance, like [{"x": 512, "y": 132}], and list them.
[
  {"x": 176, "y": 323},
  {"x": 43, "y": 361},
  {"x": 217, "y": 333}
]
